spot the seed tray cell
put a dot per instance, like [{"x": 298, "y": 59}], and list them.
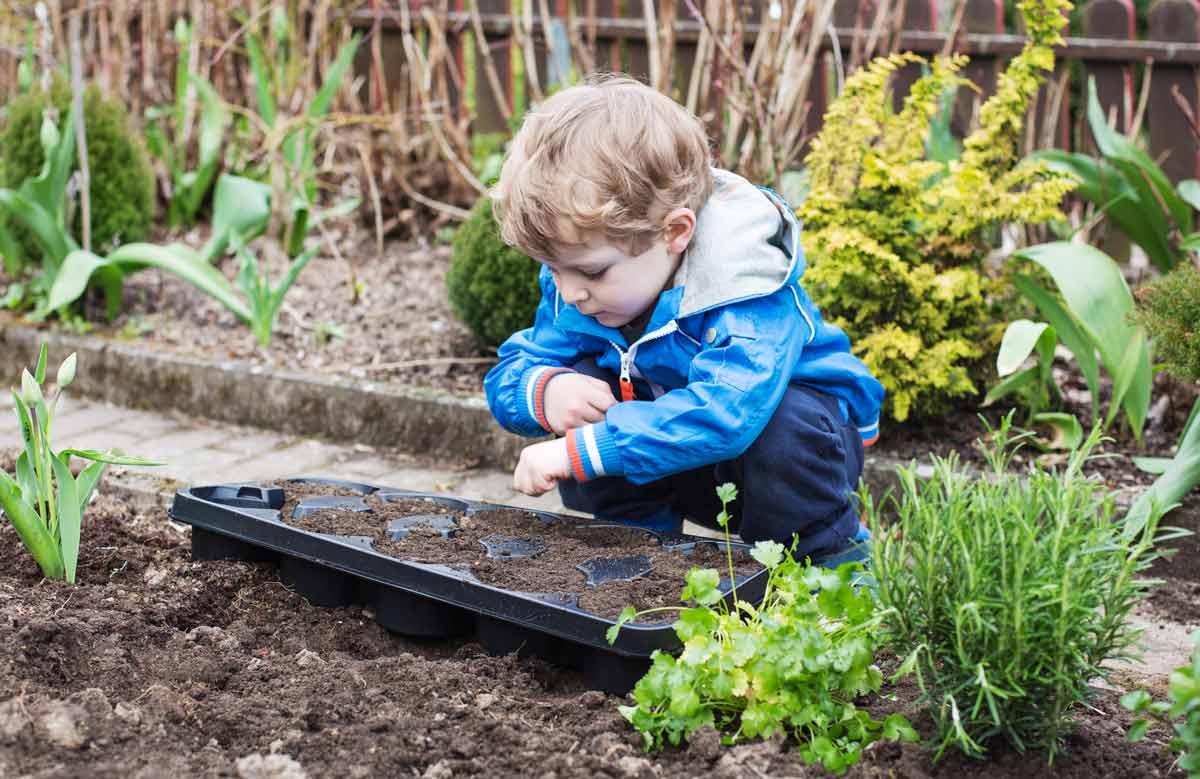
[{"x": 428, "y": 600}]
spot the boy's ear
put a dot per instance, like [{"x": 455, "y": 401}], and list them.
[{"x": 680, "y": 225}]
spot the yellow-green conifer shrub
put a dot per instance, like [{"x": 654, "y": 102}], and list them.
[{"x": 895, "y": 241}]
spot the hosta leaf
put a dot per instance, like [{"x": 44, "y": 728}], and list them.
[{"x": 1020, "y": 338}]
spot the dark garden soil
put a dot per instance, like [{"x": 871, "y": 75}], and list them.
[
  {"x": 154, "y": 665},
  {"x": 545, "y": 558},
  {"x": 399, "y": 329}
]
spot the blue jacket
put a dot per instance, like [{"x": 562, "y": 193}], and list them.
[{"x": 721, "y": 347}]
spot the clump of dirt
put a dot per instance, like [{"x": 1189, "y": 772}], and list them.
[{"x": 549, "y": 554}]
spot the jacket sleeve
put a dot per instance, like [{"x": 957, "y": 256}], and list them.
[
  {"x": 735, "y": 383},
  {"x": 529, "y": 359}
]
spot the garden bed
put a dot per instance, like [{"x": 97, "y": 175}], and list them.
[
  {"x": 158, "y": 665},
  {"x": 402, "y": 334}
]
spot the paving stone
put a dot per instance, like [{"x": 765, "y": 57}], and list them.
[
  {"x": 181, "y": 445},
  {"x": 75, "y": 417},
  {"x": 304, "y": 458},
  {"x": 99, "y": 439}
]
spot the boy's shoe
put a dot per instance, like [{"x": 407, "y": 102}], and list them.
[
  {"x": 665, "y": 521},
  {"x": 856, "y": 550}
]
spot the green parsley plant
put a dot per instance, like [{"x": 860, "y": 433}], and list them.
[{"x": 792, "y": 664}]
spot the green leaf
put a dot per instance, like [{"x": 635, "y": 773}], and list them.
[
  {"x": 214, "y": 119},
  {"x": 53, "y": 239},
  {"x": 702, "y": 586},
  {"x": 39, "y": 370},
  {"x": 1137, "y": 730},
  {"x": 768, "y": 553},
  {"x": 1069, "y": 332},
  {"x": 1014, "y": 383},
  {"x": 1136, "y": 700},
  {"x": 1152, "y": 465},
  {"x": 69, "y": 516},
  {"x": 33, "y": 533},
  {"x": 1180, "y": 477},
  {"x": 1020, "y": 338},
  {"x": 112, "y": 456},
  {"x": 240, "y": 205},
  {"x": 727, "y": 492},
  {"x": 1189, "y": 190},
  {"x": 80, "y": 269},
  {"x": 1068, "y": 433},
  {"x": 695, "y": 622},
  {"x": 897, "y": 728},
  {"x": 1141, "y": 171},
  {"x": 131, "y": 257},
  {"x": 85, "y": 483},
  {"x": 1095, "y": 291},
  {"x": 1109, "y": 189},
  {"x": 264, "y": 85},
  {"x": 627, "y": 613}
]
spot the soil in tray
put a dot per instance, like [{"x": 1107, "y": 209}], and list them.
[{"x": 548, "y": 564}]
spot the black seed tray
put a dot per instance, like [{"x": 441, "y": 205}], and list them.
[{"x": 242, "y": 522}]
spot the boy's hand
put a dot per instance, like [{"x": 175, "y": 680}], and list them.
[
  {"x": 541, "y": 466},
  {"x": 573, "y": 400}
]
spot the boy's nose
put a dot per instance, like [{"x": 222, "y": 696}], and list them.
[{"x": 574, "y": 293}]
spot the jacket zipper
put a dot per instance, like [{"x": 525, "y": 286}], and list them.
[{"x": 626, "y": 377}]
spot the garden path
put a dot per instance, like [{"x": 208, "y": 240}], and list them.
[{"x": 197, "y": 451}]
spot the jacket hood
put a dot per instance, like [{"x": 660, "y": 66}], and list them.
[{"x": 746, "y": 244}]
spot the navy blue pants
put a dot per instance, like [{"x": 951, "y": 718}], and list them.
[{"x": 796, "y": 481}]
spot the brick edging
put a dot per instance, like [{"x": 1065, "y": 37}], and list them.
[{"x": 417, "y": 420}]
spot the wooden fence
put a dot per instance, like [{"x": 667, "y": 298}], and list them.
[{"x": 1155, "y": 75}]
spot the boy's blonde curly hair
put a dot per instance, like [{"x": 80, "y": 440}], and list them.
[{"x": 611, "y": 157}]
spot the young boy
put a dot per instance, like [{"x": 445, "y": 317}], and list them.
[{"x": 674, "y": 348}]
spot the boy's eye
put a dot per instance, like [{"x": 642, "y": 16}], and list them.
[{"x": 593, "y": 274}]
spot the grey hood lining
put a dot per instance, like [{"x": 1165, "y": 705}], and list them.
[{"x": 731, "y": 255}]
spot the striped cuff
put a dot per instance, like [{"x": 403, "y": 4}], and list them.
[
  {"x": 533, "y": 392},
  {"x": 592, "y": 452},
  {"x": 869, "y": 433}
]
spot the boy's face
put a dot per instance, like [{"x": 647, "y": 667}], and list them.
[{"x": 614, "y": 287}]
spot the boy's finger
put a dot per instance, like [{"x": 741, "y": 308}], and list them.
[
  {"x": 602, "y": 400},
  {"x": 602, "y": 386}
]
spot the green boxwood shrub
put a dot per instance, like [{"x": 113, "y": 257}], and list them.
[
  {"x": 493, "y": 288},
  {"x": 1169, "y": 308},
  {"x": 122, "y": 182}
]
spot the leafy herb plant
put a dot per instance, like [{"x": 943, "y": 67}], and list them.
[
  {"x": 1007, "y": 593},
  {"x": 45, "y": 501},
  {"x": 792, "y": 664},
  {"x": 1181, "y": 711}
]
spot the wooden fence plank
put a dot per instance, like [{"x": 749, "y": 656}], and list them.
[
  {"x": 1114, "y": 81},
  {"x": 979, "y": 16},
  {"x": 1170, "y": 136}
]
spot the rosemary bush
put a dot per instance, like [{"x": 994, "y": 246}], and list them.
[{"x": 1008, "y": 593}]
